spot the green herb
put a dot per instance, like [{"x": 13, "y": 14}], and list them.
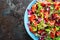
[
  {"x": 56, "y": 38},
  {"x": 51, "y": 10},
  {"x": 39, "y": 6},
  {"x": 47, "y": 30},
  {"x": 48, "y": 38},
  {"x": 32, "y": 24},
  {"x": 34, "y": 29},
  {"x": 57, "y": 28}
]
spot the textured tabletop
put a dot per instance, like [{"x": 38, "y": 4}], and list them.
[{"x": 11, "y": 20}]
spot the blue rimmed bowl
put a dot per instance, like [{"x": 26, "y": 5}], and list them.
[{"x": 26, "y": 21}]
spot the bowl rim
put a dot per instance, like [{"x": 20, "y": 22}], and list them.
[{"x": 26, "y": 21}]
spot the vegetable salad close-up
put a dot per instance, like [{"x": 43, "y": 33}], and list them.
[{"x": 44, "y": 20}]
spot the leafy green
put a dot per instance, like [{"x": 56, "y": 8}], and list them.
[
  {"x": 58, "y": 11},
  {"x": 41, "y": 25},
  {"x": 47, "y": 30},
  {"x": 39, "y": 6},
  {"x": 37, "y": 13},
  {"x": 38, "y": 10},
  {"x": 34, "y": 29},
  {"x": 57, "y": 28},
  {"x": 48, "y": 38},
  {"x": 51, "y": 10},
  {"x": 57, "y": 38}
]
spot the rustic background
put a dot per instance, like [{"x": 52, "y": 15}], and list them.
[{"x": 11, "y": 20}]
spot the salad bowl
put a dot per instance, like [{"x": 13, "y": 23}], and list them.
[{"x": 42, "y": 20}]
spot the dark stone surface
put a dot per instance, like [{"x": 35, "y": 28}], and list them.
[{"x": 11, "y": 20}]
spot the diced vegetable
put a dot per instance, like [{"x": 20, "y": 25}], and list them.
[
  {"x": 46, "y": 14},
  {"x": 52, "y": 35},
  {"x": 44, "y": 18},
  {"x": 40, "y": 31},
  {"x": 58, "y": 33},
  {"x": 33, "y": 8},
  {"x": 57, "y": 38},
  {"x": 32, "y": 17},
  {"x": 48, "y": 30},
  {"x": 52, "y": 23},
  {"x": 43, "y": 4},
  {"x": 48, "y": 38}
]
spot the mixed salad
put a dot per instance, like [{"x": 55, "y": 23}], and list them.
[{"x": 44, "y": 20}]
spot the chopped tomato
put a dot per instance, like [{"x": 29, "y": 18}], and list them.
[
  {"x": 40, "y": 31},
  {"x": 48, "y": 4},
  {"x": 59, "y": 8},
  {"x": 34, "y": 8},
  {"x": 31, "y": 29},
  {"x": 46, "y": 20},
  {"x": 35, "y": 23},
  {"x": 43, "y": 4},
  {"x": 59, "y": 4},
  {"x": 57, "y": 23},
  {"x": 53, "y": 30},
  {"x": 46, "y": 14},
  {"x": 42, "y": 10},
  {"x": 52, "y": 35},
  {"x": 56, "y": 16},
  {"x": 32, "y": 17},
  {"x": 58, "y": 33},
  {"x": 51, "y": 22},
  {"x": 56, "y": 5}
]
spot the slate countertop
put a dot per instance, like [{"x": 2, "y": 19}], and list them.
[{"x": 11, "y": 20}]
